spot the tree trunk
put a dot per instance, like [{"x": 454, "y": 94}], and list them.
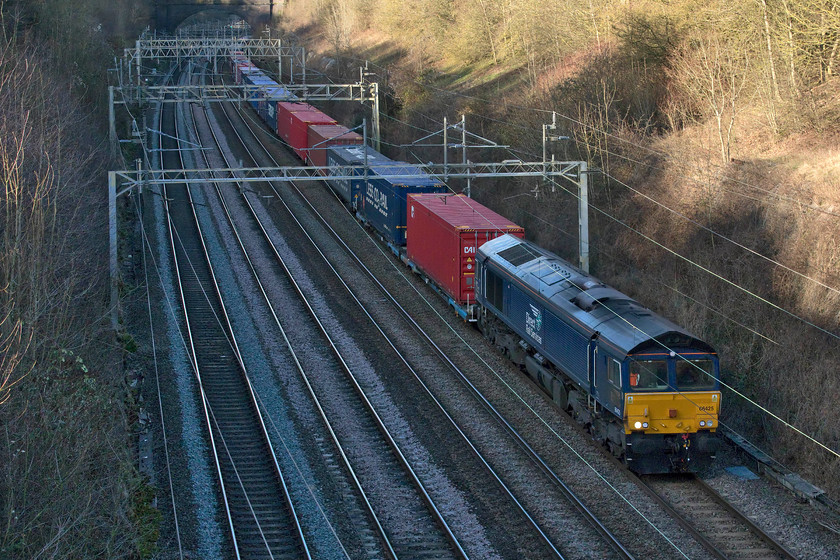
[
  {"x": 595, "y": 25},
  {"x": 489, "y": 31},
  {"x": 775, "y": 82},
  {"x": 791, "y": 45},
  {"x": 833, "y": 56}
]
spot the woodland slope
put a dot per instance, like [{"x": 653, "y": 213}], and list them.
[
  {"x": 68, "y": 483},
  {"x": 714, "y": 129}
]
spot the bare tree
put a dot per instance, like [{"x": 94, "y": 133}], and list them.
[
  {"x": 12, "y": 348},
  {"x": 714, "y": 75}
]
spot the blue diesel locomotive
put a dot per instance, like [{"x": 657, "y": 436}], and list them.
[{"x": 645, "y": 387}]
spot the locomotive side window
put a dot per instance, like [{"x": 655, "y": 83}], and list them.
[
  {"x": 614, "y": 373},
  {"x": 695, "y": 374},
  {"x": 649, "y": 375},
  {"x": 494, "y": 289}
]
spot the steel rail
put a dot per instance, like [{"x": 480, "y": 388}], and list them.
[
  {"x": 755, "y": 529},
  {"x": 606, "y": 534},
  {"x": 192, "y": 350},
  {"x": 360, "y": 391},
  {"x": 147, "y": 245},
  {"x": 708, "y": 542},
  {"x": 228, "y": 332},
  {"x": 227, "y": 327},
  {"x": 571, "y": 496},
  {"x": 212, "y": 419},
  {"x": 382, "y": 534}
]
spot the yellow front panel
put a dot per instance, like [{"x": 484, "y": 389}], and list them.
[{"x": 671, "y": 413}]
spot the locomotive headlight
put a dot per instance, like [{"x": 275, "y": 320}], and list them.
[
  {"x": 709, "y": 423},
  {"x": 702, "y": 423},
  {"x": 638, "y": 425},
  {"x": 644, "y": 424}
]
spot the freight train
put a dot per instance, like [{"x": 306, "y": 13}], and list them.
[{"x": 644, "y": 387}]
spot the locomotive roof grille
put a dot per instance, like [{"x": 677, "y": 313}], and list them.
[{"x": 519, "y": 254}]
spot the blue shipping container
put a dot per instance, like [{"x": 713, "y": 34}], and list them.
[
  {"x": 350, "y": 190},
  {"x": 267, "y": 108},
  {"x": 385, "y": 197},
  {"x": 264, "y": 82},
  {"x": 251, "y": 74}
]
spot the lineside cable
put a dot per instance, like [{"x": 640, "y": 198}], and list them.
[{"x": 157, "y": 380}]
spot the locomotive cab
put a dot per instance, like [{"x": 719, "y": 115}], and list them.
[{"x": 671, "y": 408}]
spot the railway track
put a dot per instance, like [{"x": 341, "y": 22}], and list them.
[
  {"x": 586, "y": 517},
  {"x": 341, "y": 396},
  {"x": 259, "y": 513},
  {"x": 725, "y": 532}
]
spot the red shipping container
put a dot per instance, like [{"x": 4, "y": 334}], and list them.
[
  {"x": 443, "y": 232},
  {"x": 322, "y": 136},
  {"x": 293, "y": 121}
]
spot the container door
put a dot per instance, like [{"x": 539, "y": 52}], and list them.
[{"x": 467, "y": 268}]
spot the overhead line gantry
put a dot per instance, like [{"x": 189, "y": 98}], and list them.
[{"x": 135, "y": 90}]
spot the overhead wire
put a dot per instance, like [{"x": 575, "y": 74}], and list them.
[
  {"x": 760, "y": 407},
  {"x": 205, "y": 399},
  {"x": 710, "y": 230},
  {"x": 773, "y": 261},
  {"x": 609, "y": 484},
  {"x": 518, "y": 396},
  {"x": 814, "y": 440},
  {"x": 611, "y": 256},
  {"x": 649, "y": 240},
  {"x": 607, "y": 134},
  {"x": 710, "y": 272},
  {"x": 146, "y": 245}
]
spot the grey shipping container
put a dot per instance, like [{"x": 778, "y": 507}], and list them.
[{"x": 350, "y": 190}]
